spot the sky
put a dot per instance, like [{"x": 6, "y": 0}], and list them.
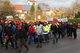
[{"x": 51, "y": 3}]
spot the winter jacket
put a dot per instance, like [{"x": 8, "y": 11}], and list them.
[
  {"x": 74, "y": 26},
  {"x": 14, "y": 27},
  {"x": 9, "y": 31},
  {"x": 54, "y": 28},
  {"x": 45, "y": 29},
  {"x": 20, "y": 33},
  {"x": 39, "y": 30},
  {"x": 1, "y": 28},
  {"x": 31, "y": 30}
]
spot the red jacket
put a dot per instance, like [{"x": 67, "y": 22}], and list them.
[{"x": 31, "y": 30}]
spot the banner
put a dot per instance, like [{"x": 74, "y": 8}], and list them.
[
  {"x": 49, "y": 19},
  {"x": 9, "y": 17},
  {"x": 57, "y": 20},
  {"x": 63, "y": 20}
]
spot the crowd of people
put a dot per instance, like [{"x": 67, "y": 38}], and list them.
[{"x": 23, "y": 34}]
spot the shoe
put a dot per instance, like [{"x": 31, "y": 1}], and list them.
[
  {"x": 27, "y": 49},
  {"x": 53, "y": 41},
  {"x": 19, "y": 51},
  {"x": 6, "y": 48},
  {"x": 37, "y": 46},
  {"x": 56, "y": 41},
  {"x": 40, "y": 46}
]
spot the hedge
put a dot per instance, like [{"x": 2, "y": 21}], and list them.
[{"x": 77, "y": 20}]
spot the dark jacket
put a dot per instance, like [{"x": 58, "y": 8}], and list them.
[
  {"x": 9, "y": 31},
  {"x": 20, "y": 33},
  {"x": 60, "y": 29},
  {"x": 70, "y": 28},
  {"x": 74, "y": 26},
  {"x": 1, "y": 28},
  {"x": 31, "y": 30},
  {"x": 54, "y": 28}
]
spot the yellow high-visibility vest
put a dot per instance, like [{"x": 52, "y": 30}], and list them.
[
  {"x": 46, "y": 28},
  {"x": 35, "y": 27},
  {"x": 49, "y": 26}
]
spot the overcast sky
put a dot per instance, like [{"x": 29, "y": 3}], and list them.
[{"x": 51, "y": 3}]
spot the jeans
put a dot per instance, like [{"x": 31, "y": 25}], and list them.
[
  {"x": 45, "y": 37},
  {"x": 39, "y": 39},
  {"x": 64, "y": 32},
  {"x": 70, "y": 34},
  {"x": 3, "y": 35},
  {"x": 55, "y": 38},
  {"x": 32, "y": 35}
]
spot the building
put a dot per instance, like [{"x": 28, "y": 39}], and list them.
[
  {"x": 22, "y": 10},
  {"x": 31, "y": 2},
  {"x": 19, "y": 11}
]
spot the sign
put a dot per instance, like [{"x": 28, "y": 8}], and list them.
[
  {"x": 57, "y": 20},
  {"x": 63, "y": 20},
  {"x": 49, "y": 19},
  {"x": 9, "y": 17}
]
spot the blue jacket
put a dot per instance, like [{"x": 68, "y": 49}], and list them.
[{"x": 14, "y": 27}]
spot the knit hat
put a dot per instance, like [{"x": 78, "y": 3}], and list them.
[
  {"x": 19, "y": 27},
  {"x": 24, "y": 22}
]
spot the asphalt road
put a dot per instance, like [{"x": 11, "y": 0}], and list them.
[{"x": 67, "y": 45}]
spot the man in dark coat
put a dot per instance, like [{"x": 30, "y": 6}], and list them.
[
  {"x": 75, "y": 30},
  {"x": 54, "y": 33},
  {"x": 60, "y": 31},
  {"x": 1, "y": 29},
  {"x": 70, "y": 30},
  {"x": 25, "y": 30},
  {"x": 9, "y": 36},
  {"x": 20, "y": 36}
]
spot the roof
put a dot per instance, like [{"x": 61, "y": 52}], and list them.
[
  {"x": 31, "y": 0},
  {"x": 22, "y": 12},
  {"x": 26, "y": 7},
  {"x": 44, "y": 7},
  {"x": 17, "y": 7}
]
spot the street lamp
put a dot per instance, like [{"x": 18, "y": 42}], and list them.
[
  {"x": 35, "y": 14},
  {"x": 35, "y": 10}
]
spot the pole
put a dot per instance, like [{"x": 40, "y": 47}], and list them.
[
  {"x": 35, "y": 14},
  {"x": 35, "y": 11}
]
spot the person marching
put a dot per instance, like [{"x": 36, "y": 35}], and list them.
[
  {"x": 39, "y": 35},
  {"x": 31, "y": 32},
  {"x": 75, "y": 30},
  {"x": 45, "y": 32},
  {"x": 54, "y": 33},
  {"x": 1, "y": 29},
  {"x": 9, "y": 36},
  {"x": 20, "y": 35}
]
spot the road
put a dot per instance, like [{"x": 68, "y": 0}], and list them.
[{"x": 67, "y": 45}]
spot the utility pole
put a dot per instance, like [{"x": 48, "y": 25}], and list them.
[{"x": 35, "y": 10}]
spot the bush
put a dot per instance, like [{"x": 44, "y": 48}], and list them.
[
  {"x": 77, "y": 15},
  {"x": 77, "y": 20}
]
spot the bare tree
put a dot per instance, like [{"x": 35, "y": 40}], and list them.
[{"x": 75, "y": 7}]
